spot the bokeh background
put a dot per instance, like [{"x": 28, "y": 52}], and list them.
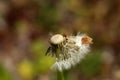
[{"x": 26, "y": 26}]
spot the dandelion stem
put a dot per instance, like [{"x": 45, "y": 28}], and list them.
[{"x": 60, "y": 75}]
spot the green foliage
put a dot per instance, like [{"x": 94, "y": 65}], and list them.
[
  {"x": 90, "y": 66},
  {"x": 38, "y": 48},
  {"x": 4, "y": 74},
  {"x": 42, "y": 63}
]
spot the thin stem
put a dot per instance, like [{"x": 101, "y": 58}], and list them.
[{"x": 60, "y": 75}]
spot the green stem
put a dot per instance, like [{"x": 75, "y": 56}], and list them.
[{"x": 60, "y": 75}]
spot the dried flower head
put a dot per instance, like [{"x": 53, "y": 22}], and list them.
[{"x": 68, "y": 50}]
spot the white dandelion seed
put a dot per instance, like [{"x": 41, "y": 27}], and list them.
[{"x": 69, "y": 50}]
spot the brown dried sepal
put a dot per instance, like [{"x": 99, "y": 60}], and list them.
[{"x": 87, "y": 40}]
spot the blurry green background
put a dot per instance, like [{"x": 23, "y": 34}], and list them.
[{"x": 25, "y": 28}]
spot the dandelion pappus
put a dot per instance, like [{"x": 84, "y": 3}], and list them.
[{"x": 68, "y": 50}]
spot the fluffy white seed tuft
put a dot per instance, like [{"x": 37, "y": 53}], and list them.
[{"x": 73, "y": 51}]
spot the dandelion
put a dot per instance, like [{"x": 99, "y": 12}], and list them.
[{"x": 68, "y": 50}]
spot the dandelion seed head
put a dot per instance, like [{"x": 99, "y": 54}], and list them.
[{"x": 72, "y": 49}]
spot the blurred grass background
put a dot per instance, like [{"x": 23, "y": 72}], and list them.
[{"x": 25, "y": 28}]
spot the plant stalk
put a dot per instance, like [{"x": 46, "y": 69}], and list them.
[{"x": 60, "y": 75}]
